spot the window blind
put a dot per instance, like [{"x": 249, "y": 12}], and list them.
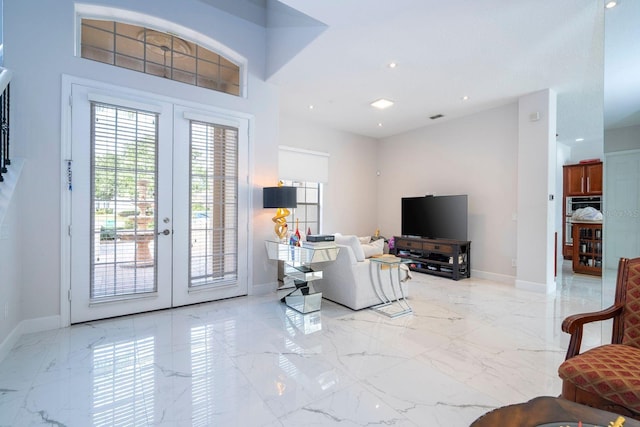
[
  {"x": 214, "y": 204},
  {"x": 296, "y": 164},
  {"x": 123, "y": 167}
]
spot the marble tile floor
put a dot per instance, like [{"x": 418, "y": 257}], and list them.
[{"x": 470, "y": 346}]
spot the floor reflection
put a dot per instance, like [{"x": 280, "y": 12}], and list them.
[
  {"x": 123, "y": 382},
  {"x": 204, "y": 381},
  {"x": 470, "y": 346},
  {"x": 302, "y": 323}
]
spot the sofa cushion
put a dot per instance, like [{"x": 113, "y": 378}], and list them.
[
  {"x": 364, "y": 239},
  {"x": 353, "y": 242},
  {"x": 374, "y": 248},
  {"x": 611, "y": 371}
]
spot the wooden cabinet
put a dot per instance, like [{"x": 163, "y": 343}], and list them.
[
  {"x": 587, "y": 247},
  {"x": 593, "y": 180},
  {"x": 441, "y": 257},
  {"x": 583, "y": 179}
]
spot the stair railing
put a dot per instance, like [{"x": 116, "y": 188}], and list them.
[{"x": 5, "y": 80}]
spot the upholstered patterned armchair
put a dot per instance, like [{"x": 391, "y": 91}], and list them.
[{"x": 608, "y": 376}]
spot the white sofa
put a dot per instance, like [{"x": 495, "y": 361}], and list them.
[{"x": 348, "y": 279}]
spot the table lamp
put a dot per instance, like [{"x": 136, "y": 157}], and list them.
[{"x": 281, "y": 198}]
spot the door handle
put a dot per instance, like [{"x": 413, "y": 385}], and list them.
[{"x": 166, "y": 232}]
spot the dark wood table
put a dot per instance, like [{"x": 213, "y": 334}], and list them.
[{"x": 542, "y": 410}]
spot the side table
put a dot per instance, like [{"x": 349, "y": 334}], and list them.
[
  {"x": 394, "y": 303},
  {"x": 299, "y": 274}
]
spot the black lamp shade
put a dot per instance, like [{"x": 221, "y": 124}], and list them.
[{"x": 279, "y": 197}]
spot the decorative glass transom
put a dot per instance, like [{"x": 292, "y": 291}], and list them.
[{"x": 157, "y": 53}]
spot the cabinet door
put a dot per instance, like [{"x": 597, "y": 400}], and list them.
[
  {"x": 573, "y": 176},
  {"x": 587, "y": 248},
  {"x": 594, "y": 179}
]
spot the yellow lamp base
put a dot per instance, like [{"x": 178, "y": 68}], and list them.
[{"x": 281, "y": 222}]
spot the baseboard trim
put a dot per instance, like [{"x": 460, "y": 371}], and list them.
[
  {"x": 541, "y": 288},
  {"x": 40, "y": 324},
  {"x": 495, "y": 277},
  {"x": 27, "y": 327}
]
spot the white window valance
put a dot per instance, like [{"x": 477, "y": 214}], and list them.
[{"x": 297, "y": 164}]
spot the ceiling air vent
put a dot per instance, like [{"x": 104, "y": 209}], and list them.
[{"x": 437, "y": 116}]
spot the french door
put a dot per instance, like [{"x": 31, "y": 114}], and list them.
[{"x": 156, "y": 204}]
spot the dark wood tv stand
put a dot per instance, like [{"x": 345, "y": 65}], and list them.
[{"x": 441, "y": 257}]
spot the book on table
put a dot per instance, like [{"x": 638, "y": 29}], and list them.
[
  {"x": 321, "y": 238},
  {"x": 318, "y": 245}
]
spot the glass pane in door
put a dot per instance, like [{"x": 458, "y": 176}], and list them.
[
  {"x": 123, "y": 191},
  {"x": 213, "y": 256}
]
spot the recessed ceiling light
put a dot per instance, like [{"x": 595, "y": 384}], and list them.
[
  {"x": 465, "y": 98},
  {"x": 382, "y": 103},
  {"x": 379, "y": 125},
  {"x": 310, "y": 106},
  {"x": 392, "y": 65},
  {"x": 579, "y": 139},
  {"x": 611, "y": 4}
]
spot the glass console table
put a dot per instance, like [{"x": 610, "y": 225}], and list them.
[{"x": 299, "y": 274}]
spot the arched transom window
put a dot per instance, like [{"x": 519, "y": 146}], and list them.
[{"x": 157, "y": 53}]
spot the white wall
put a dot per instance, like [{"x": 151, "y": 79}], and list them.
[
  {"x": 1, "y": 32},
  {"x": 350, "y": 197},
  {"x": 39, "y": 47},
  {"x": 584, "y": 152},
  {"x": 621, "y": 201},
  {"x": 474, "y": 155},
  {"x": 622, "y": 139},
  {"x": 10, "y": 308},
  {"x": 536, "y": 182}
]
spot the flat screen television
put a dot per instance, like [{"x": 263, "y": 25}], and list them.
[{"x": 435, "y": 217}]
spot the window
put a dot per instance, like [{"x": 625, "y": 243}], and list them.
[
  {"x": 214, "y": 204},
  {"x": 157, "y": 53},
  {"x": 124, "y": 143},
  {"x": 307, "y": 170},
  {"x": 307, "y": 214}
]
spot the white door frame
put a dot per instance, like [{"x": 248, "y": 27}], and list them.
[{"x": 66, "y": 157}]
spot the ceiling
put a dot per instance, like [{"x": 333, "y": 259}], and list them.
[{"x": 491, "y": 52}]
